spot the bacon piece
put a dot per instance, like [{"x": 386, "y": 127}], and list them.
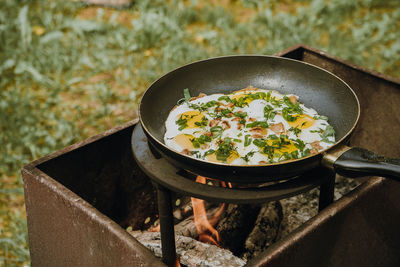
[
  {"x": 229, "y": 105},
  {"x": 262, "y": 162},
  {"x": 226, "y": 125},
  {"x": 209, "y": 134},
  {"x": 316, "y": 145},
  {"x": 313, "y": 151},
  {"x": 197, "y": 97},
  {"x": 259, "y": 130},
  {"x": 236, "y": 119},
  {"x": 278, "y": 128},
  {"x": 204, "y": 146},
  {"x": 186, "y": 152},
  {"x": 252, "y": 119},
  {"x": 293, "y": 99},
  {"x": 256, "y": 135},
  {"x": 214, "y": 122}
]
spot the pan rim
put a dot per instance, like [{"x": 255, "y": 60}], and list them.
[{"x": 322, "y": 152}]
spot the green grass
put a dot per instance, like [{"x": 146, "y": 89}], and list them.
[{"x": 68, "y": 71}]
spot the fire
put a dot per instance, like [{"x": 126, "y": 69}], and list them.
[
  {"x": 205, "y": 227},
  {"x": 177, "y": 263}
]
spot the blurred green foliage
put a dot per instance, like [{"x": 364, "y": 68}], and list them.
[{"x": 68, "y": 71}]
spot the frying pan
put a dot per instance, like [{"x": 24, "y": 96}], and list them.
[{"x": 316, "y": 87}]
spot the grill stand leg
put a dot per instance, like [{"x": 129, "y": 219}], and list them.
[
  {"x": 166, "y": 225},
  {"x": 327, "y": 190}
]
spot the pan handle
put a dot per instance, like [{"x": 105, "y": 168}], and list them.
[{"x": 358, "y": 162}]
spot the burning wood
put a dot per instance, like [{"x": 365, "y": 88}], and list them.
[
  {"x": 237, "y": 223},
  {"x": 243, "y": 231},
  {"x": 266, "y": 230}
]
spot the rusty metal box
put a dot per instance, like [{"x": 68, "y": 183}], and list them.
[{"x": 78, "y": 198}]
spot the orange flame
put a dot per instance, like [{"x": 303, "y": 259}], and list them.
[
  {"x": 155, "y": 228},
  {"x": 205, "y": 226},
  {"x": 177, "y": 263}
]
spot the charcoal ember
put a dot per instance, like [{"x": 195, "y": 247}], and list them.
[
  {"x": 235, "y": 226},
  {"x": 266, "y": 230},
  {"x": 190, "y": 251}
]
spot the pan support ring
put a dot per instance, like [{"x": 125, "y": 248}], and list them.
[{"x": 167, "y": 178}]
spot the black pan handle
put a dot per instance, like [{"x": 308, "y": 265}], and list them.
[{"x": 358, "y": 162}]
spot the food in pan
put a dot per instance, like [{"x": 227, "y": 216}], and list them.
[{"x": 247, "y": 127}]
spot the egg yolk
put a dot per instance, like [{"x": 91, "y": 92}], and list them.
[
  {"x": 183, "y": 140},
  {"x": 213, "y": 157},
  {"x": 302, "y": 121},
  {"x": 192, "y": 118},
  {"x": 289, "y": 148}
]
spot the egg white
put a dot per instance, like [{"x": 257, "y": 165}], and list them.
[{"x": 254, "y": 110}]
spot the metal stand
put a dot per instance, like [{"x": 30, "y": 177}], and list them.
[
  {"x": 167, "y": 178},
  {"x": 166, "y": 225},
  {"x": 327, "y": 190}
]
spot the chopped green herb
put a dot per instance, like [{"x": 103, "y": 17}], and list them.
[
  {"x": 299, "y": 144},
  {"x": 216, "y": 131},
  {"x": 225, "y": 98},
  {"x": 259, "y": 142},
  {"x": 320, "y": 117},
  {"x": 306, "y": 152},
  {"x": 226, "y": 113},
  {"x": 202, "y": 139},
  {"x": 225, "y": 149},
  {"x": 204, "y": 106},
  {"x": 287, "y": 116},
  {"x": 186, "y": 93},
  {"x": 262, "y": 124},
  {"x": 329, "y": 131},
  {"x": 247, "y": 140},
  {"x": 317, "y": 131},
  {"x": 181, "y": 122},
  {"x": 241, "y": 102},
  {"x": 295, "y": 130},
  {"x": 209, "y": 152},
  {"x": 295, "y": 154},
  {"x": 275, "y": 102},
  {"x": 240, "y": 114},
  {"x": 269, "y": 114},
  {"x": 248, "y": 155}
]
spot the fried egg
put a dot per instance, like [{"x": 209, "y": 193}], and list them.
[{"x": 250, "y": 126}]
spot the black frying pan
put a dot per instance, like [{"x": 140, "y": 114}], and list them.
[{"x": 317, "y": 88}]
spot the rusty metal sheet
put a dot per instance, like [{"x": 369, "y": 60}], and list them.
[
  {"x": 360, "y": 229},
  {"x": 64, "y": 229}
]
